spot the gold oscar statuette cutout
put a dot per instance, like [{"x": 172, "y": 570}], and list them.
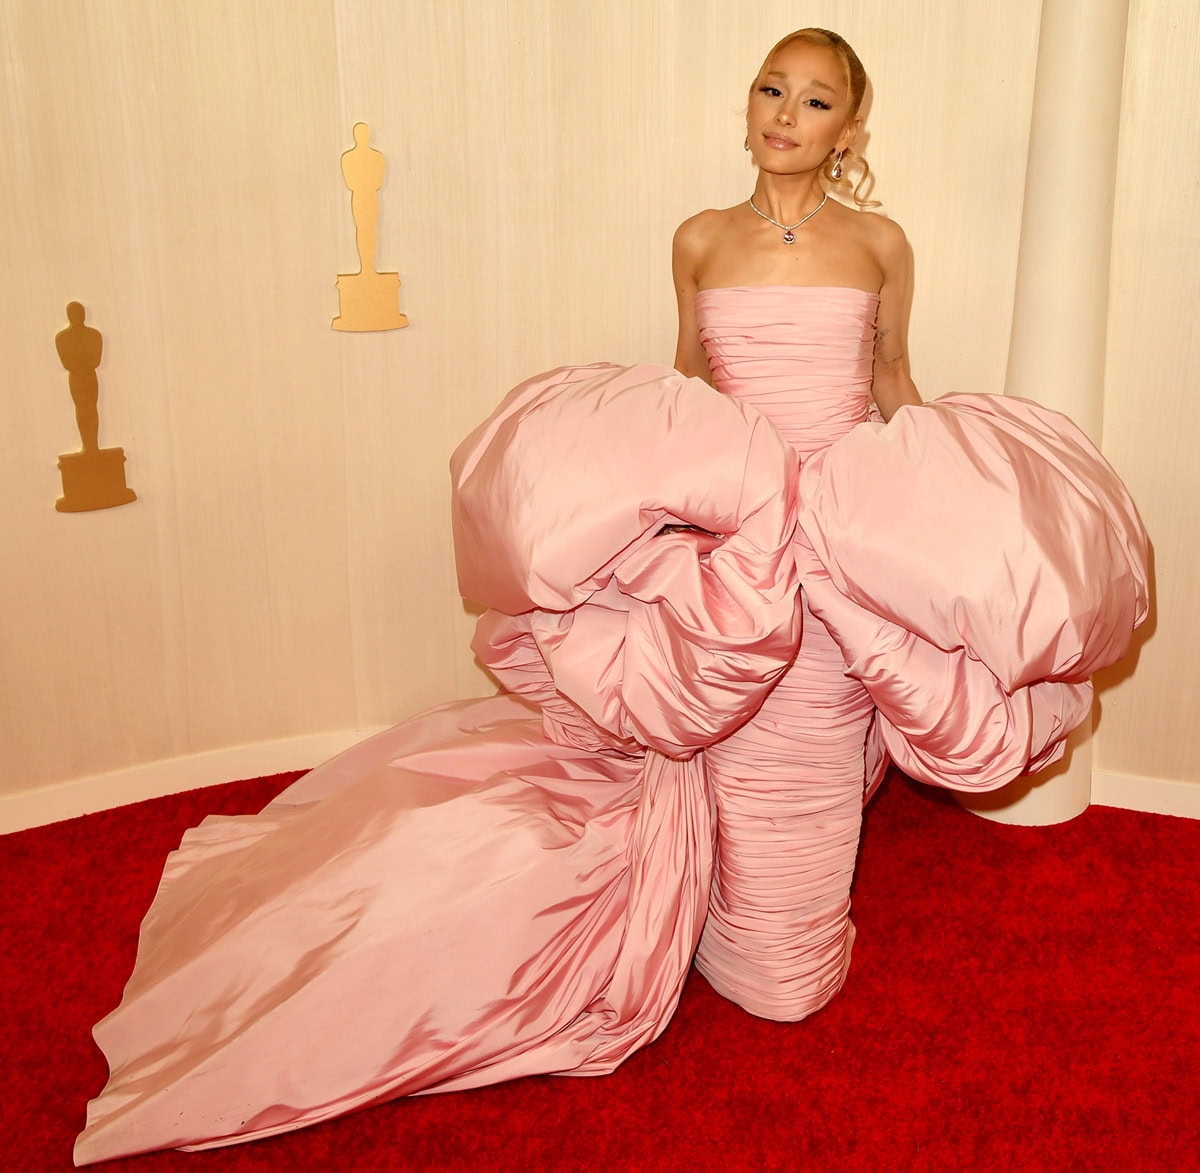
[
  {"x": 368, "y": 300},
  {"x": 94, "y": 477}
]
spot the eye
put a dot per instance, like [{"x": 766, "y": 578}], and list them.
[
  {"x": 770, "y": 91},
  {"x": 817, "y": 104}
]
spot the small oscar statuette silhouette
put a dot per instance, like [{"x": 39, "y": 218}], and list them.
[
  {"x": 368, "y": 300},
  {"x": 94, "y": 477}
]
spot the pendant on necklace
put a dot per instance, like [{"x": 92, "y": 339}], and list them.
[{"x": 789, "y": 234}]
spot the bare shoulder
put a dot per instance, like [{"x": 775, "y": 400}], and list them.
[
  {"x": 698, "y": 232},
  {"x": 885, "y": 238},
  {"x": 695, "y": 240}
]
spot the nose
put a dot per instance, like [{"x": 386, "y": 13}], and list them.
[{"x": 784, "y": 116}]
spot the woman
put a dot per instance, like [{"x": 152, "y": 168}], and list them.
[
  {"x": 684, "y": 603},
  {"x": 801, "y": 125},
  {"x": 780, "y": 271}
]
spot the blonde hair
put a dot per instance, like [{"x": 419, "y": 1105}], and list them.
[{"x": 856, "y": 82}]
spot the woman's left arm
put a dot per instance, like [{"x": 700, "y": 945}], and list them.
[{"x": 892, "y": 385}]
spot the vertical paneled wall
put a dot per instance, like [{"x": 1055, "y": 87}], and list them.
[
  {"x": 1148, "y": 723},
  {"x": 287, "y": 567}
]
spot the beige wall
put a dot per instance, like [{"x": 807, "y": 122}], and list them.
[
  {"x": 1150, "y": 717},
  {"x": 287, "y": 569}
]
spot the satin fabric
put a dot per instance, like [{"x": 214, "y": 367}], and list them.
[{"x": 517, "y": 885}]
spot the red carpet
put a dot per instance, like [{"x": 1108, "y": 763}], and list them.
[{"x": 1019, "y": 999}]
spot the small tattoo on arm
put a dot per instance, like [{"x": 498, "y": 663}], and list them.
[{"x": 880, "y": 357}]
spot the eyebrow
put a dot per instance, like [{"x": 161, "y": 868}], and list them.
[{"x": 820, "y": 85}]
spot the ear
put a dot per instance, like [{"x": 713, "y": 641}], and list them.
[{"x": 850, "y": 135}]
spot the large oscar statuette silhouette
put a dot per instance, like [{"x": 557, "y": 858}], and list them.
[
  {"x": 368, "y": 300},
  {"x": 94, "y": 477}
]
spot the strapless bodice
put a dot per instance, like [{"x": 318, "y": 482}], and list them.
[{"x": 800, "y": 354}]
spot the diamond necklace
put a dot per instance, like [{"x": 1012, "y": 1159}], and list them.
[{"x": 789, "y": 233}]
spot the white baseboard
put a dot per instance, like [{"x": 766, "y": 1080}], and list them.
[
  {"x": 1159, "y": 796},
  {"x": 82, "y": 796}
]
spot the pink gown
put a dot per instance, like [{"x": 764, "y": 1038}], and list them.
[{"x": 518, "y": 885}]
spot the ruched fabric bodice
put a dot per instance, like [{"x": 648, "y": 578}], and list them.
[
  {"x": 800, "y": 354},
  {"x": 788, "y": 786}
]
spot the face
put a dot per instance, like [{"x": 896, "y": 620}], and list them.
[{"x": 799, "y": 110}]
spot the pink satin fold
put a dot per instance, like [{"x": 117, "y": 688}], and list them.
[
  {"x": 518, "y": 885},
  {"x": 453, "y": 903},
  {"x": 665, "y": 641},
  {"x": 1002, "y": 597}
]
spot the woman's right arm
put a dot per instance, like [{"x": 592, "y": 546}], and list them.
[{"x": 686, "y": 252}]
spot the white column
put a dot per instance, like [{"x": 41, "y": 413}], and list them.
[{"x": 1056, "y": 353}]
